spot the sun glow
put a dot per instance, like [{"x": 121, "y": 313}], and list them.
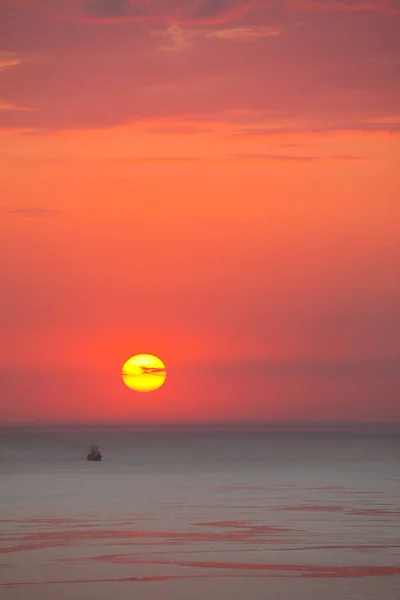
[{"x": 144, "y": 373}]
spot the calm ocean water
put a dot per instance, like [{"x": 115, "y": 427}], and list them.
[{"x": 194, "y": 515}]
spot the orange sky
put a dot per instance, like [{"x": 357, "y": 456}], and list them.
[{"x": 215, "y": 182}]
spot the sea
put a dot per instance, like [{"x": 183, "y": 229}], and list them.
[{"x": 199, "y": 515}]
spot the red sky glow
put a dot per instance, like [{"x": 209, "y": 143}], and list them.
[{"x": 212, "y": 181}]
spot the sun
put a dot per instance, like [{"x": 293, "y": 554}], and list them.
[{"x": 144, "y": 373}]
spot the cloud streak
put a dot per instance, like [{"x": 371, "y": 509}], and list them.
[
  {"x": 200, "y": 12},
  {"x": 178, "y": 38},
  {"x": 31, "y": 212},
  {"x": 201, "y": 60},
  {"x": 153, "y": 371},
  {"x": 179, "y": 160},
  {"x": 244, "y": 33},
  {"x": 8, "y": 60},
  {"x": 9, "y": 106},
  {"x": 389, "y": 7},
  {"x": 392, "y": 127},
  {"x": 296, "y": 158}
]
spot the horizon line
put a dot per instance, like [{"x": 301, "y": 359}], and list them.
[{"x": 267, "y": 426}]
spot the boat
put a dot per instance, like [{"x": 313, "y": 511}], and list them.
[{"x": 94, "y": 454}]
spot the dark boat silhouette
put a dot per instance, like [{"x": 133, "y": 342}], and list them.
[{"x": 94, "y": 454}]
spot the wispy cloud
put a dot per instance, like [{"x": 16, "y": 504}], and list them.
[
  {"x": 112, "y": 11},
  {"x": 295, "y": 158},
  {"x": 288, "y": 158},
  {"x": 159, "y": 159},
  {"x": 175, "y": 11},
  {"x": 181, "y": 129},
  {"x": 31, "y": 212},
  {"x": 10, "y": 106},
  {"x": 200, "y": 12},
  {"x": 244, "y": 33},
  {"x": 174, "y": 37},
  {"x": 177, "y": 64},
  {"x": 179, "y": 38},
  {"x": 8, "y": 60},
  {"x": 153, "y": 371},
  {"x": 359, "y": 126},
  {"x": 18, "y": 3},
  {"x": 347, "y": 6},
  {"x": 293, "y": 145}
]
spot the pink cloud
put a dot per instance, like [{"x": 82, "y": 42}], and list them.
[
  {"x": 192, "y": 11},
  {"x": 174, "y": 11},
  {"x": 348, "y": 6},
  {"x": 244, "y": 33},
  {"x": 31, "y": 212},
  {"x": 302, "y": 80},
  {"x": 324, "y": 127},
  {"x": 8, "y": 60},
  {"x": 10, "y": 106}
]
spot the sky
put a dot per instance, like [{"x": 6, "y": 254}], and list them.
[{"x": 211, "y": 181}]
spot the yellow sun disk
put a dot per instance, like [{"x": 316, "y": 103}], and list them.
[{"x": 144, "y": 373}]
